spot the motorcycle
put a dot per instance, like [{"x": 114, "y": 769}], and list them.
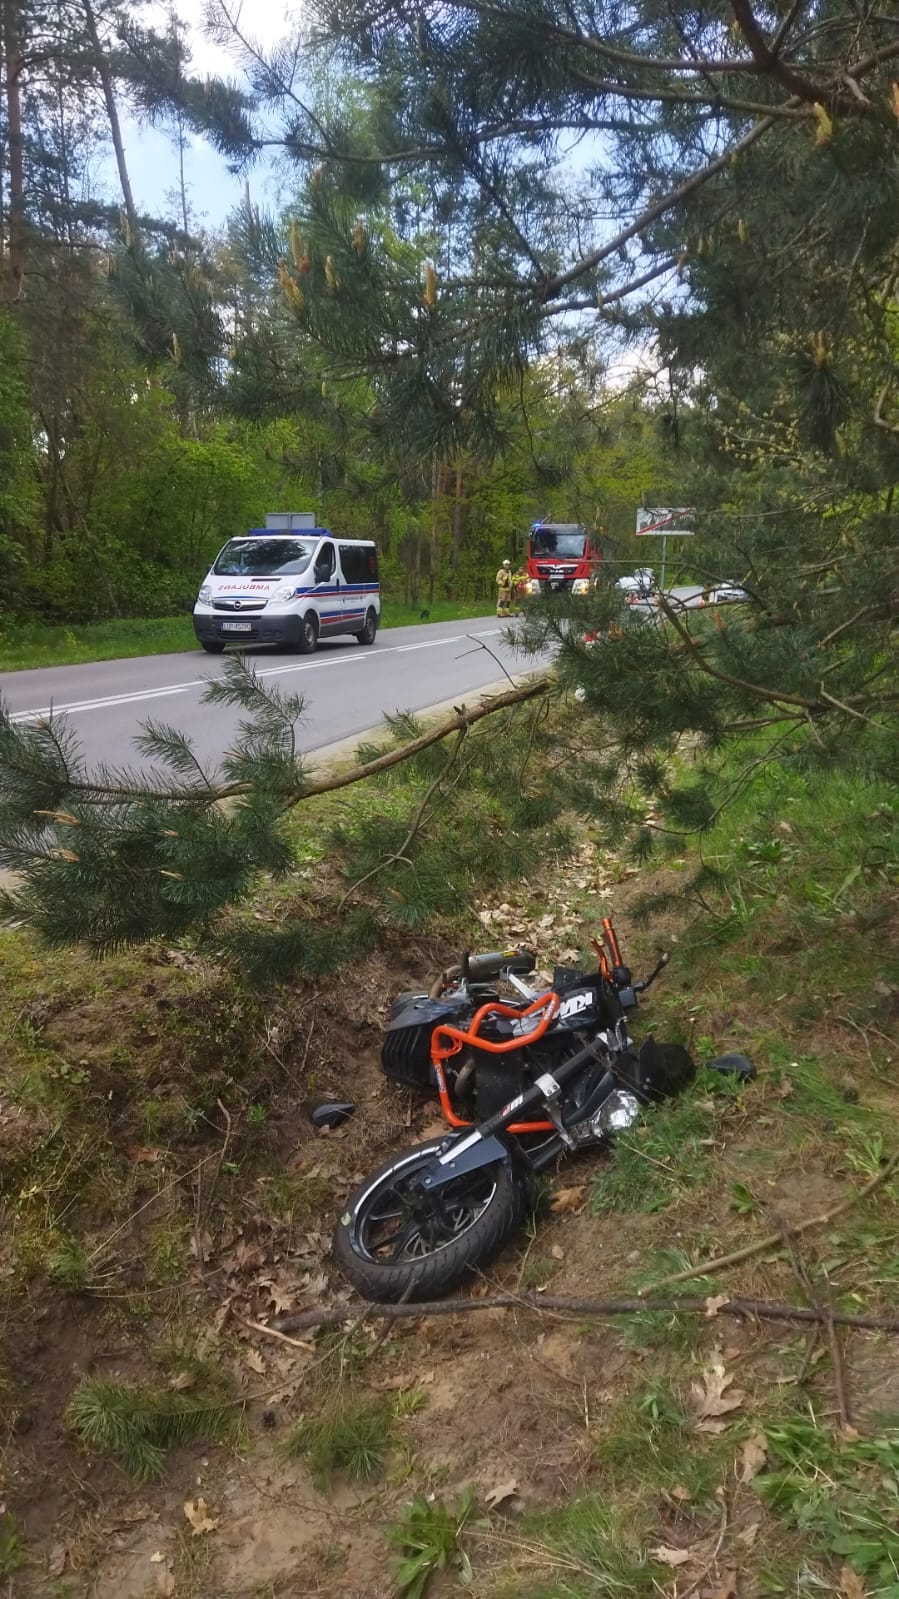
[{"x": 521, "y": 1082}]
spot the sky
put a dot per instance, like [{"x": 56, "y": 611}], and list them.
[
  {"x": 152, "y": 154},
  {"x": 213, "y": 192}
]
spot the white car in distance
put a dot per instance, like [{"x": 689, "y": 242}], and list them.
[
  {"x": 727, "y": 594},
  {"x": 640, "y": 584}
]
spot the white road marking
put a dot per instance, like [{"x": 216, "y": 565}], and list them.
[{"x": 75, "y": 707}]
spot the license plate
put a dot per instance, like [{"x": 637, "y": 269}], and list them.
[{"x": 237, "y": 627}]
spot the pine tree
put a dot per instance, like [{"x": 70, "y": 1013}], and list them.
[
  {"x": 733, "y": 225},
  {"x": 750, "y": 161}
]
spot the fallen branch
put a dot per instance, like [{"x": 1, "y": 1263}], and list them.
[
  {"x": 771, "y": 1240},
  {"x": 273, "y": 1332},
  {"x": 838, "y": 1366},
  {"x": 89, "y": 792},
  {"x": 562, "y": 1304},
  {"x": 825, "y": 1307},
  {"x": 414, "y": 825}
]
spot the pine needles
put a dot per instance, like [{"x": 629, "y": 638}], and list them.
[
  {"x": 351, "y": 1439},
  {"x": 139, "y": 1425}
]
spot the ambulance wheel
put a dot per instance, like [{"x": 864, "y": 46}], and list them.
[
  {"x": 308, "y": 633},
  {"x": 367, "y": 633}
]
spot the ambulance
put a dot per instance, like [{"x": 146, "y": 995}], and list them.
[{"x": 292, "y": 583}]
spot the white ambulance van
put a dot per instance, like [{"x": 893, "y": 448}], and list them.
[{"x": 291, "y": 583}]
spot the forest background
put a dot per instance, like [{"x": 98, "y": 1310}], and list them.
[{"x": 157, "y": 395}]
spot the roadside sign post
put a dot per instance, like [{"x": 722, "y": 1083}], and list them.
[{"x": 661, "y": 521}]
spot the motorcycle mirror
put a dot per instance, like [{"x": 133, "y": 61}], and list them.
[
  {"x": 332, "y": 1114},
  {"x": 733, "y": 1065},
  {"x": 646, "y": 982}
]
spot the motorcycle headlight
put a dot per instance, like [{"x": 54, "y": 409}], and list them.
[
  {"x": 205, "y": 594},
  {"x": 620, "y": 1110},
  {"x": 581, "y": 585}
]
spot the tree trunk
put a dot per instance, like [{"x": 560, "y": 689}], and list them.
[
  {"x": 112, "y": 113},
  {"x": 14, "y": 277},
  {"x": 457, "y": 519},
  {"x": 436, "y": 489}
]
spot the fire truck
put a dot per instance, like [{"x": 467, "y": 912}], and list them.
[{"x": 561, "y": 556}]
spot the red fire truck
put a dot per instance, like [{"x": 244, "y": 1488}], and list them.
[{"x": 561, "y": 555}]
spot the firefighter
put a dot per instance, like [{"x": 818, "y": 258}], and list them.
[
  {"x": 519, "y": 586},
  {"x": 504, "y": 589}
]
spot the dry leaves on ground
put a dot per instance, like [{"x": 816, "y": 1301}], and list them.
[
  {"x": 711, "y": 1398},
  {"x": 753, "y": 1456},
  {"x": 851, "y": 1585},
  {"x": 670, "y": 1557},
  {"x": 714, "y": 1302},
  {"x": 567, "y": 1201},
  {"x": 727, "y": 1587},
  {"x": 197, "y": 1513},
  {"x": 503, "y": 1494},
  {"x": 56, "y": 1564}
]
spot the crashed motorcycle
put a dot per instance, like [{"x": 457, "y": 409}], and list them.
[{"x": 521, "y": 1081}]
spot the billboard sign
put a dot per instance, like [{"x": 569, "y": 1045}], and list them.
[{"x": 661, "y": 519}]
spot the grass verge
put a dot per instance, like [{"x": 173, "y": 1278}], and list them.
[{"x": 24, "y": 645}]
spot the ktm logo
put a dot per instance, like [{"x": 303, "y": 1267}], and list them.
[{"x": 575, "y": 1004}]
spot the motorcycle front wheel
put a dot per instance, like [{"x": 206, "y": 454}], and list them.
[{"x": 393, "y": 1244}]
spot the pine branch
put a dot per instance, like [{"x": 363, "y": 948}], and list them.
[
  {"x": 140, "y": 1425},
  {"x": 90, "y": 793},
  {"x": 767, "y": 59},
  {"x": 414, "y": 827},
  {"x": 658, "y": 209}
]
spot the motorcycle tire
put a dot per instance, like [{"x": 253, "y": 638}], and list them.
[{"x": 486, "y": 1207}]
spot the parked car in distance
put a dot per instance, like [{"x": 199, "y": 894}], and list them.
[
  {"x": 727, "y": 593},
  {"x": 641, "y": 583}
]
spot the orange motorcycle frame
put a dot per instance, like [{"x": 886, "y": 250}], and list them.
[{"x": 456, "y": 1040}]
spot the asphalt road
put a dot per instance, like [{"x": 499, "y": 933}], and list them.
[{"x": 347, "y": 688}]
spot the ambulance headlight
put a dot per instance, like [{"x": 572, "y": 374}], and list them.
[
  {"x": 205, "y": 594},
  {"x": 286, "y": 591}
]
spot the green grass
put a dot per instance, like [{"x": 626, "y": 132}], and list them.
[
  {"x": 396, "y": 614},
  {"x": 587, "y": 1549},
  {"x": 29, "y": 644},
  {"x": 660, "y": 1158},
  {"x": 349, "y": 1438},
  {"x": 646, "y": 1446},
  {"x": 12, "y": 1550},
  {"x": 427, "y": 1539},
  {"x": 840, "y": 1494}
]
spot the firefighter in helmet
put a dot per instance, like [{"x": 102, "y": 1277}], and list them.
[{"x": 504, "y": 589}]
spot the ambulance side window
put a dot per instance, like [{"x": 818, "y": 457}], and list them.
[{"x": 324, "y": 564}]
